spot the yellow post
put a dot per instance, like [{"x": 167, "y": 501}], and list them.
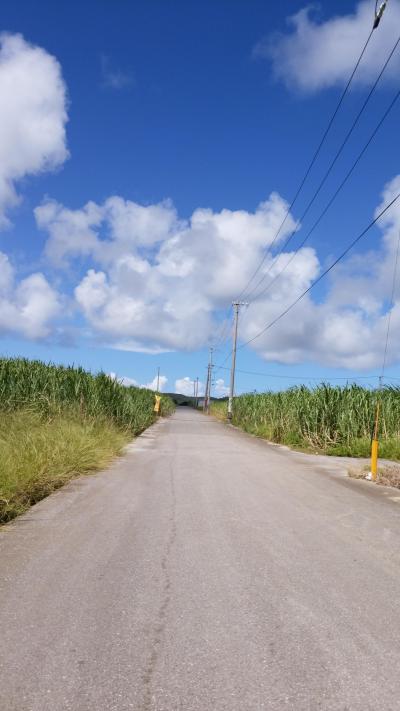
[
  {"x": 375, "y": 445},
  {"x": 374, "y": 458},
  {"x": 157, "y": 404}
]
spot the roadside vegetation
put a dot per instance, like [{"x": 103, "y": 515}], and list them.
[
  {"x": 325, "y": 419},
  {"x": 59, "y": 422}
]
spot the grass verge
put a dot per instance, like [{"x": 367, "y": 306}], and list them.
[
  {"x": 39, "y": 454},
  {"x": 58, "y": 422},
  {"x": 333, "y": 421}
]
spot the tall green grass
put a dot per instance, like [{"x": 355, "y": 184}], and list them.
[
  {"x": 50, "y": 389},
  {"x": 58, "y": 422},
  {"x": 39, "y": 454},
  {"x": 334, "y": 420}
]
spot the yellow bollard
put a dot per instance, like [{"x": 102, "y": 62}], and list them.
[
  {"x": 375, "y": 445},
  {"x": 374, "y": 458},
  {"x": 157, "y": 404}
]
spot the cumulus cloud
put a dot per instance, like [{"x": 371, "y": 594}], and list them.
[
  {"x": 157, "y": 281},
  {"x": 28, "y": 307},
  {"x": 315, "y": 54},
  {"x": 32, "y": 117},
  {"x": 161, "y": 382},
  {"x": 124, "y": 380},
  {"x": 185, "y": 386},
  {"x": 130, "y": 228},
  {"x": 346, "y": 329},
  {"x": 220, "y": 389}
]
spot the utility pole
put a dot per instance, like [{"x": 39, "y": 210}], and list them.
[
  {"x": 206, "y": 391},
  {"x": 236, "y": 306},
  {"x": 208, "y": 385},
  {"x": 196, "y": 394},
  {"x": 158, "y": 379}
]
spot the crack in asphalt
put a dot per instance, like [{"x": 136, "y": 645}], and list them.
[{"x": 160, "y": 625}]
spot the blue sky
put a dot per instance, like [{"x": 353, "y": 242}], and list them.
[{"x": 175, "y": 122}]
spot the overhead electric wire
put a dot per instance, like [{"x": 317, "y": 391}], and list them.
[
  {"x": 331, "y": 166},
  {"x": 391, "y": 105},
  {"x": 324, "y": 273},
  {"x": 303, "y": 377},
  {"x": 221, "y": 367},
  {"x": 333, "y": 198},
  {"x": 314, "y": 158},
  {"x": 224, "y": 333},
  {"x": 317, "y": 152}
]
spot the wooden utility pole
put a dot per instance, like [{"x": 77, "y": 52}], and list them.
[
  {"x": 236, "y": 306},
  {"x": 207, "y": 396}
]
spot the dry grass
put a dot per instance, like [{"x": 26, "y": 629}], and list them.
[
  {"x": 39, "y": 454},
  {"x": 388, "y": 474}
]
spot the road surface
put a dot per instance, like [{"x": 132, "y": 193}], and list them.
[{"x": 205, "y": 571}]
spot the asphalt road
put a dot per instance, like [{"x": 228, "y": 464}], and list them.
[{"x": 206, "y": 570}]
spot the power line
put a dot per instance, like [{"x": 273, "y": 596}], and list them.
[
  {"x": 333, "y": 163},
  {"x": 224, "y": 332},
  {"x": 324, "y": 273},
  {"x": 333, "y": 198},
  {"x": 301, "y": 377},
  {"x": 378, "y": 15},
  {"x": 319, "y": 147},
  {"x": 316, "y": 281}
]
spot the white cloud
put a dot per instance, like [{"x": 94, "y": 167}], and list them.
[
  {"x": 161, "y": 382},
  {"x": 29, "y": 307},
  {"x": 129, "y": 226},
  {"x": 318, "y": 54},
  {"x": 156, "y": 283},
  {"x": 124, "y": 380},
  {"x": 186, "y": 386},
  {"x": 348, "y": 328},
  {"x": 73, "y": 231},
  {"x": 32, "y": 117},
  {"x": 156, "y": 280},
  {"x": 135, "y": 347},
  {"x": 220, "y": 389}
]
